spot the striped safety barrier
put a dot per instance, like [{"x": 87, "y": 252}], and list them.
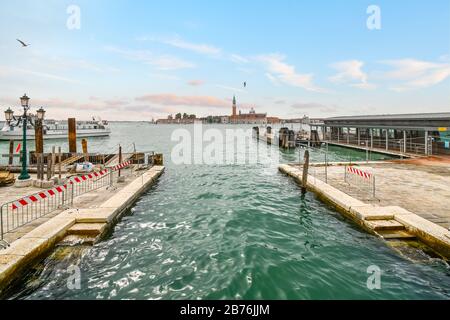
[
  {"x": 55, "y": 191},
  {"x": 88, "y": 176},
  {"x": 121, "y": 166},
  {"x": 39, "y": 196},
  {"x": 361, "y": 173}
]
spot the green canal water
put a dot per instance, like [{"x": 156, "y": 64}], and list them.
[{"x": 231, "y": 232}]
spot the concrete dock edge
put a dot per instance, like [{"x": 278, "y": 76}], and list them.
[
  {"x": 433, "y": 235},
  {"x": 15, "y": 259}
]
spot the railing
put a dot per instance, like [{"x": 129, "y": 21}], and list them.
[
  {"x": 362, "y": 181},
  {"x": 408, "y": 145},
  {"x": 322, "y": 156},
  {"x": 17, "y": 213}
]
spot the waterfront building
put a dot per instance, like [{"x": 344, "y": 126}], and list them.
[
  {"x": 421, "y": 133},
  {"x": 246, "y": 118},
  {"x": 186, "y": 119},
  {"x": 273, "y": 120}
]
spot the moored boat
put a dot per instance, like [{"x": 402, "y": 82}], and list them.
[{"x": 53, "y": 129}]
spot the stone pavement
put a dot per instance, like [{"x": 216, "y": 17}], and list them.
[{"x": 418, "y": 186}]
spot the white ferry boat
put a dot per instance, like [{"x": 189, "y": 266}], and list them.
[{"x": 53, "y": 129}]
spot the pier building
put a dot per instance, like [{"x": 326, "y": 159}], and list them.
[{"x": 416, "y": 134}]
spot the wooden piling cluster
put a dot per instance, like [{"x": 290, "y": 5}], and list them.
[
  {"x": 286, "y": 138},
  {"x": 51, "y": 164}
]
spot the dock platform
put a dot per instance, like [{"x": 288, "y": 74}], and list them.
[
  {"x": 411, "y": 197},
  {"x": 90, "y": 217}
]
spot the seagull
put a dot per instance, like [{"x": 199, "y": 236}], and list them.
[
  {"x": 245, "y": 84},
  {"x": 22, "y": 43}
]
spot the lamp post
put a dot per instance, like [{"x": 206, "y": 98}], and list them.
[{"x": 24, "y": 120}]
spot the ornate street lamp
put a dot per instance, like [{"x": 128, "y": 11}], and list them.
[
  {"x": 24, "y": 120},
  {"x": 24, "y": 101},
  {"x": 40, "y": 114},
  {"x": 9, "y": 114}
]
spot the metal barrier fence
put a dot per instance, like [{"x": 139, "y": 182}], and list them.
[
  {"x": 362, "y": 180},
  {"x": 322, "y": 156},
  {"x": 17, "y": 213}
]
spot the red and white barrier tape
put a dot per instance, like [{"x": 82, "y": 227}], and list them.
[
  {"x": 88, "y": 176},
  {"x": 363, "y": 174},
  {"x": 121, "y": 166},
  {"x": 54, "y": 191},
  {"x": 39, "y": 196}
]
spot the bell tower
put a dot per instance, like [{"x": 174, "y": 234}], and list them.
[{"x": 234, "y": 107}]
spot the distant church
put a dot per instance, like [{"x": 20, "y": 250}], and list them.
[{"x": 246, "y": 118}]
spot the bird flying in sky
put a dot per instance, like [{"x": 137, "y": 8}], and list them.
[
  {"x": 245, "y": 84},
  {"x": 22, "y": 43}
]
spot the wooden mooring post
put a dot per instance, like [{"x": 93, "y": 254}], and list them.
[
  {"x": 120, "y": 158},
  {"x": 39, "y": 137},
  {"x": 11, "y": 152},
  {"x": 59, "y": 163},
  {"x": 84, "y": 145},
  {"x": 40, "y": 166},
  {"x": 305, "y": 172},
  {"x": 53, "y": 161},
  {"x": 72, "y": 135},
  {"x": 49, "y": 167}
]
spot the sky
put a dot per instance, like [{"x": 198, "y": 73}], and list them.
[{"x": 138, "y": 60}]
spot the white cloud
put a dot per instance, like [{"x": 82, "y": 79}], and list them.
[
  {"x": 350, "y": 72},
  {"x": 195, "y": 83},
  {"x": 178, "y": 42},
  {"x": 160, "y": 62},
  {"x": 195, "y": 47},
  {"x": 238, "y": 58},
  {"x": 286, "y": 73},
  {"x": 313, "y": 106},
  {"x": 272, "y": 79},
  {"x": 173, "y": 99},
  {"x": 12, "y": 71},
  {"x": 63, "y": 63},
  {"x": 229, "y": 88},
  {"x": 412, "y": 73}
]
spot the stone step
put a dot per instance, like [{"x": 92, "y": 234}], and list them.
[
  {"x": 378, "y": 225},
  {"x": 88, "y": 229},
  {"x": 396, "y": 235},
  {"x": 77, "y": 240}
]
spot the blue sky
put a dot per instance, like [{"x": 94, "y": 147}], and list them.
[{"x": 137, "y": 60}]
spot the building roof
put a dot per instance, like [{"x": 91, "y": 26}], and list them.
[
  {"x": 412, "y": 121},
  {"x": 407, "y": 116}
]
